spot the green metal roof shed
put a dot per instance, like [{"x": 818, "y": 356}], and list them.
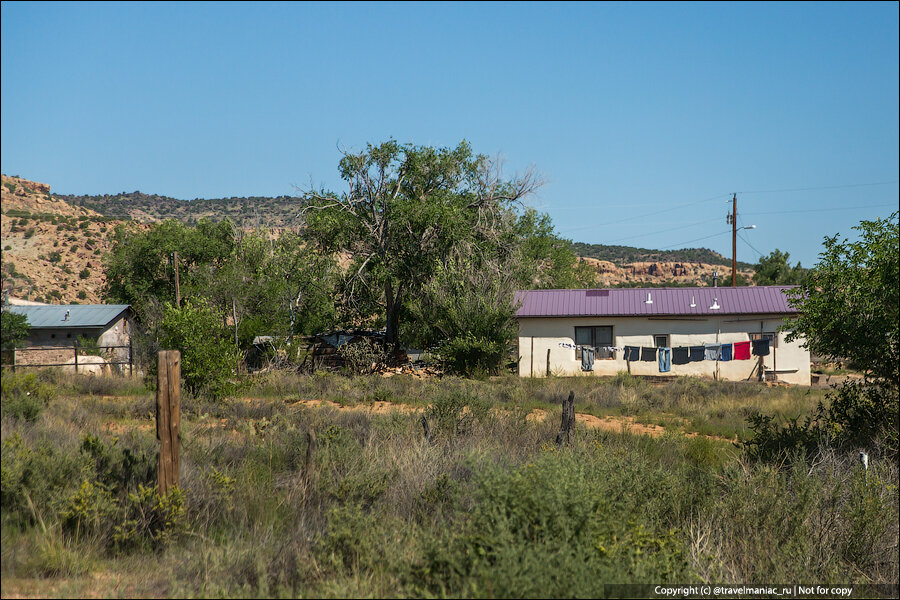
[{"x": 64, "y": 316}]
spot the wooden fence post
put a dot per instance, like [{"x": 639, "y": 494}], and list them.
[
  {"x": 75, "y": 346},
  {"x": 426, "y": 428},
  {"x": 309, "y": 467},
  {"x": 548, "y": 362},
  {"x": 168, "y": 419},
  {"x": 567, "y": 426}
]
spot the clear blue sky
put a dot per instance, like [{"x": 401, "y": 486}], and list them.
[{"x": 642, "y": 118}]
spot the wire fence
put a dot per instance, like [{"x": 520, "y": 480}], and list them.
[{"x": 114, "y": 358}]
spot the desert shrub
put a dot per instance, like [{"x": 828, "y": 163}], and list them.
[
  {"x": 455, "y": 411},
  {"x": 54, "y": 257},
  {"x": 855, "y": 415},
  {"x": 34, "y": 476},
  {"x": 559, "y": 514},
  {"x": 24, "y": 395},
  {"x": 351, "y": 539},
  {"x": 473, "y": 356},
  {"x": 84, "y": 273},
  {"x": 150, "y": 520}
]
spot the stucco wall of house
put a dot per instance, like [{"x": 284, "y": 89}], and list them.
[{"x": 537, "y": 335}]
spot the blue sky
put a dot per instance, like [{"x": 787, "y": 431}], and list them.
[{"x": 642, "y": 118}]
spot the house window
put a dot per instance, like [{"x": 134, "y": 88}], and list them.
[
  {"x": 596, "y": 337},
  {"x": 773, "y": 339},
  {"x": 661, "y": 341}
]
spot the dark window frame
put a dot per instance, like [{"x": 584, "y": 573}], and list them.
[
  {"x": 595, "y": 342},
  {"x": 665, "y": 343},
  {"x": 771, "y": 335}
]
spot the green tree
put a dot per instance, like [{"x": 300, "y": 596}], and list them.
[
  {"x": 405, "y": 209},
  {"x": 14, "y": 327},
  {"x": 139, "y": 269},
  {"x": 848, "y": 307},
  {"x": 208, "y": 357},
  {"x": 775, "y": 269},
  {"x": 262, "y": 282},
  {"x": 848, "y": 310}
]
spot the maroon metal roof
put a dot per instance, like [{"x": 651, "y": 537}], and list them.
[{"x": 631, "y": 302}]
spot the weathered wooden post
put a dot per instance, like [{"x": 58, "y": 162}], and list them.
[
  {"x": 308, "y": 468},
  {"x": 567, "y": 425},
  {"x": 548, "y": 362},
  {"x": 426, "y": 428},
  {"x": 168, "y": 419},
  {"x": 75, "y": 346}
]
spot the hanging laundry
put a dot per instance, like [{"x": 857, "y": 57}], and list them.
[
  {"x": 632, "y": 353},
  {"x": 726, "y": 352},
  {"x": 665, "y": 360},
  {"x": 698, "y": 353},
  {"x": 712, "y": 352},
  {"x": 761, "y": 347},
  {"x": 681, "y": 355},
  {"x": 568, "y": 345},
  {"x": 587, "y": 359},
  {"x": 648, "y": 354},
  {"x": 742, "y": 351}
]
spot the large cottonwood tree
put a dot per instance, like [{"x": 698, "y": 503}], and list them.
[{"x": 405, "y": 209}]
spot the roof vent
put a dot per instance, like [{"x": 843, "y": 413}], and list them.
[
  {"x": 693, "y": 304},
  {"x": 715, "y": 304},
  {"x": 649, "y": 300}
]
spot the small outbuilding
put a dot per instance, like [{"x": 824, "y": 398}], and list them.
[
  {"x": 729, "y": 333},
  {"x": 55, "y": 329}
]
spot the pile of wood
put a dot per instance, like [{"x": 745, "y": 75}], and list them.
[{"x": 418, "y": 370}]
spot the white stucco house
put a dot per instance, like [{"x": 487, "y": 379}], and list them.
[{"x": 724, "y": 333}]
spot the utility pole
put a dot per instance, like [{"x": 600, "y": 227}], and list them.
[{"x": 733, "y": 218}]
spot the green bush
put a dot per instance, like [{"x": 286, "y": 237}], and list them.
[
  {"x": 14, "y": 329},
  {"x": 473, "y": 356},
  {"x": 455, "y": 411},
  {"x": 24, "y": 395},
  {"x": 34, "y": 477},
  {"x": 563, "y": 525},
  {"x": 208, "y": 356}
]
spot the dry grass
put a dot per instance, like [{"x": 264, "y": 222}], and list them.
[{"x": 386, "y": 513}]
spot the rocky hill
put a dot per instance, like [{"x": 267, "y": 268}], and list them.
[
  {"x": 52, "y": 251},
  {"x": 53, "y": 245},
  {"x": 252, "y": 212},
  {"x": 661, "y": 273}
]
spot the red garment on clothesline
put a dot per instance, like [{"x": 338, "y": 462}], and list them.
[{"x": 742, "y": 351}]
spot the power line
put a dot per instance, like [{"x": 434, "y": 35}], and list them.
[
  {"x": 641, "y": 216},
  {"x": 743, "y": 239},
  {"x": 827, "y": 187},
  {"x": 664, "y": 230},
  {"x": 817, "y": 210},
  {"x": 696, "y": 239}
]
